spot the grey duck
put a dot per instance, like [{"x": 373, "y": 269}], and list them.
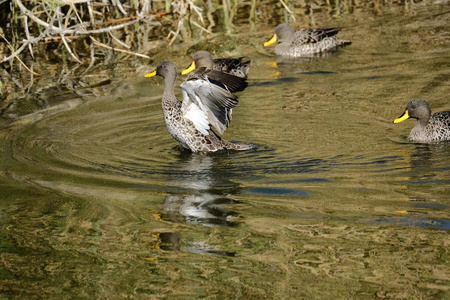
[
  {"x": 429, "y": 128},
  {"x": 206, "y": 104},
  {"x": 233, "y": 66},
  {"x": 304, "y": 42}
]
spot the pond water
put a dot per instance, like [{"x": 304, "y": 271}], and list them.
[{"x": 99, "y": 201}]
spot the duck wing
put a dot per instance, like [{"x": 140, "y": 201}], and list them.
[
  {"x": 207, "y": 102},
  {"x": 234, "y": 66},
  {"x": 313, "y": 35},
  {"x": 229, "y": 82}
]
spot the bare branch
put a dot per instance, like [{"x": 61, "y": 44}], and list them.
[
  {"x": 59, "y": 30},
  {"x": 119, "y": 41},
  {"x": 18, "y": 51},
  {"x": 27, "y": 33},
  {"x": 69, "y": 50},
  {"x": 287, "y": 9},
  {"x": 116, "y": 49}
]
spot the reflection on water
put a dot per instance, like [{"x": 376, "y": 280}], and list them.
[
  {"x": 98, "y": 200},
  {"x": 422, "y": 222},
  {"x": 202, "y": 203},
  {"x": 426, "y": 168},
  {"x": 199, "y": 208},
  {"x": 205, "y": 200}
]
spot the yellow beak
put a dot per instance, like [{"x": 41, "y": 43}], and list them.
[
  {"x": 402, "y": 118},
  {"x": 271, "y": 41},
  {"x": 189, "y": 69},
  {"x": 150, "y": 74}
]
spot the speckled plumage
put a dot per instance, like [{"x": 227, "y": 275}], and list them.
[
  {"x": 305, "y": 42},
  {"x": 183, "y": 129},
  {"x": 233, "y": 66},
  {"x": 429, "y": 128}
]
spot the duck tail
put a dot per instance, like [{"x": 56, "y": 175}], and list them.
[
  {"x": 343, "y": 43},
  {"x": 238, "y": 147}
]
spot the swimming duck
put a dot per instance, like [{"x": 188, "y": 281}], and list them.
[
  {"x": 304, "y": 42},
  {"x": 429, "y": 128},
  {"x": 205, "y": 105},
  {"x": 234, "y": 66}
]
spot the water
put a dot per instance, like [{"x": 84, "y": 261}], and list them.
[{"x": 99, "y": 201}]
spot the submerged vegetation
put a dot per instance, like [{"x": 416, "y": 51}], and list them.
[{"x": 67, "y": 44}]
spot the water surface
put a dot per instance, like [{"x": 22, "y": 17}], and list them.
[{"x": 99, "y": 201}]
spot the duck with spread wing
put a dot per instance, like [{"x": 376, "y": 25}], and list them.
[{"x": 207, "y": 104}]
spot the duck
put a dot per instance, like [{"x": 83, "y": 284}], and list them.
[
  {"x": 206, "y": 105},
  {"x": 429, "y": 128},
  {"x": 230, "y": 82},
  {"x": 234, "y": 66},
  {"x": 304, "y": 42}
]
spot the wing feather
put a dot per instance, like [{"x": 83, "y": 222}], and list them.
[
  {"x": 313, "y": 35},
  {"x": 213, "y": 100},
  {"x": 192, "y": 110}
]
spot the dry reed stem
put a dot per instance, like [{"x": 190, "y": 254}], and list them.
[
  {"x": 116, "y": 49},
  {"x": 288, "y": 10},
  {"x": 64, "y": 26},
  {"x": 63, "y": 31},
  {"x": 14, "y": 56}
]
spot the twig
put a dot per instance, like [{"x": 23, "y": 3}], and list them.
[
  {"x": 198, "y": 10},
  {"x": 58, "y": 30},
  {"x": 58, "y": 12},
  {"x": 182, "y": 12},
  {"x": 91, "y": 13},
  {"x": 202, "y": 28},
  {"x": 27, "y": 34},
  {"x": 91, "y": 64},
  {"x": 288, "y": 10},
  {"x": 28, "y": 13},
  {"x": 157, "y": 15},
  {"x": 69, "y": 50},
  {"x": 119, "y": 41},
  {"x": 72, "y": 6},
  {"x": 16, "y": 53},
  {"x": 116, "y": 49},
  {"x": 50, "y": 39},
  {"x": 119, "y": 5}
]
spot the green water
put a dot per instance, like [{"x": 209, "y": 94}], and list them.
[{"x": 98, "y": 201}]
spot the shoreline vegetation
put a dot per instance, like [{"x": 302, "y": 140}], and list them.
[{"x": 64, "y": 45}]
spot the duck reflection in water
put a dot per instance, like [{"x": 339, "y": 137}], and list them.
[
  {"x": 424, "y": 164},
  {"x": 421, "y": 171},
  {"x": 203, "y": 200}
]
